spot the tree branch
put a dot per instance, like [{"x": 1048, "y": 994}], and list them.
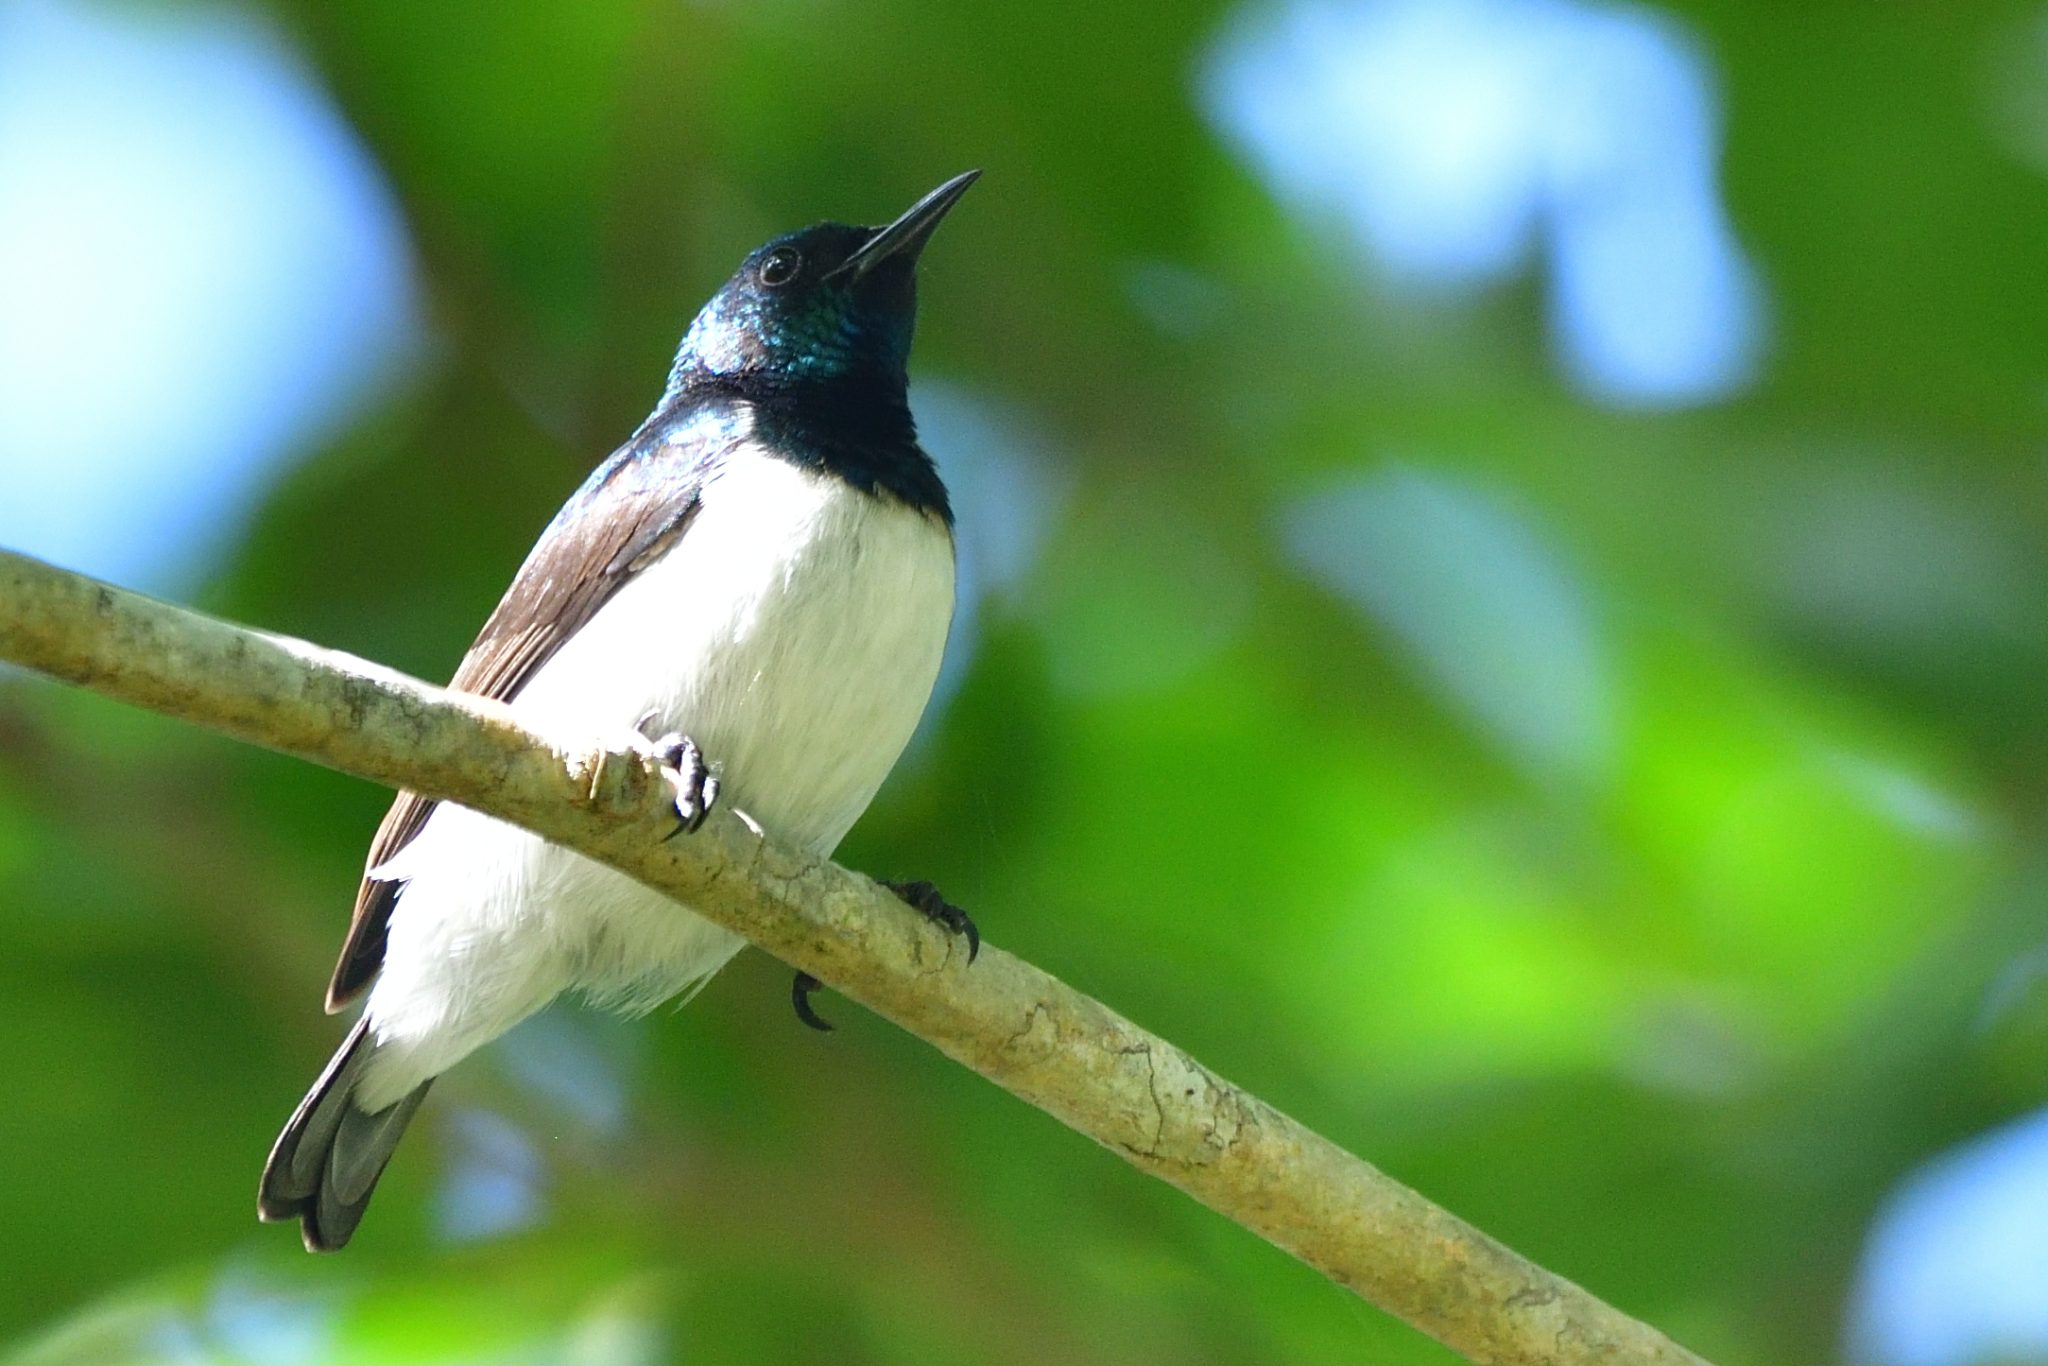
[{"x": 1064, "y": 1052}]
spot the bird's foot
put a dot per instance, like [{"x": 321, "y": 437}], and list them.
[
  {"x": 800, "y": 996},
  {"x": 924, "y": 898},
  {"x": 683, "y": 764},
  {"x": 921, "y": 897}
]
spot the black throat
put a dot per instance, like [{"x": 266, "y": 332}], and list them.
[{"x": 855, "y": 427}]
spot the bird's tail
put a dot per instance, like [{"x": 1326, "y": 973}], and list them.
[{"x": 326, "y": 1162}]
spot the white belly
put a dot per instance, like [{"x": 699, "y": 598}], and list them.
[{"x": 794, "y": 632}]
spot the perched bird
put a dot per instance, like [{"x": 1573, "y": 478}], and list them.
[{"x": 762, "y": 574}]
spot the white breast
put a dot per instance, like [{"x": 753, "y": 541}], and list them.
[{"x": 794, "y": 631}]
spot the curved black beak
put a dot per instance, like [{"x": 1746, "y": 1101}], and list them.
[{"x": 908, "y": 233}]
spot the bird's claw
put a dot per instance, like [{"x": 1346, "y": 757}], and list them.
[
  {"x": 925, "y": 899},
  {"x": 800, "y": 996},
  {"x": 921, "y": 897},
  {"x": 696, "y": 786}
]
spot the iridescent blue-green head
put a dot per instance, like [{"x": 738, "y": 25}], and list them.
[{"x": 827, "y": 303}]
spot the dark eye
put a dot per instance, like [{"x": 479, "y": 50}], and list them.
[{"x": 781, "y": 266}]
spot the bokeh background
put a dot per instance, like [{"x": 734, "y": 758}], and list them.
[{"x": 1504, "y": 551}]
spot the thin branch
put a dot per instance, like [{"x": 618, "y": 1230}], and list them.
[{"x": 1065, "y": 1053}]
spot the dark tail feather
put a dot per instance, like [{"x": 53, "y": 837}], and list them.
[{"x": 326, "y": 1162}]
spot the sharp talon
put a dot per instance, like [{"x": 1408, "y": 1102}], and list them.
[
  {"x": 925, "y": 899},
  {"x": 800, "y": 996},
  {"x": 695, "y": 784}
]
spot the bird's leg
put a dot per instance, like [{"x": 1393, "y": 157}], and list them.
[
  {"x": 683, "y": 764},
  {"x": 924, "y": 898},
  {"x": 921, "y": 897}
]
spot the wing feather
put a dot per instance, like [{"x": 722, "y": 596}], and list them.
[{"x": 649, "y": 491}]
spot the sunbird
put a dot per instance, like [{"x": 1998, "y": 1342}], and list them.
[{"x": 760, "y": 580}]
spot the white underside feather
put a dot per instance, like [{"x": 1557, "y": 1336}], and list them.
[{"x": 794, "y": 632}]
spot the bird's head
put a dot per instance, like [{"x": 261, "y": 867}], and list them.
[{"x": 828, "y": 302}]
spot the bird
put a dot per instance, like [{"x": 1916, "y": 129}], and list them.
[{"x": 760, "y": 580}]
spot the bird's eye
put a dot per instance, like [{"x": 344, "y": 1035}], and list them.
[{"x": 781, "y": 266}]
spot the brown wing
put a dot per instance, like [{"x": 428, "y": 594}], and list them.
[{"x": 648, "y": 492}]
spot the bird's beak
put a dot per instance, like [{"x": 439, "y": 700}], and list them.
[{"x": 907, "y": 234}]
